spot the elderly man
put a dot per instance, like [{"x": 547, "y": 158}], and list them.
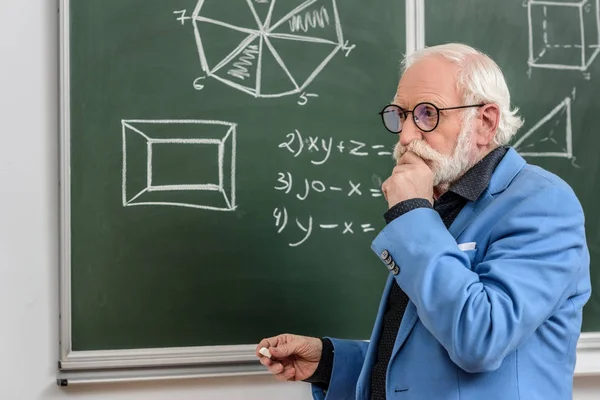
[{"x": 489, "y": 267}]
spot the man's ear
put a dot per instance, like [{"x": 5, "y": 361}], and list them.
[{"x": 489, "y": 118}]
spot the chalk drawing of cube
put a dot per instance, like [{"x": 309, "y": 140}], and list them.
[
  {"x": 185, "y": 163},
  {"x": 563, "y": 34}
]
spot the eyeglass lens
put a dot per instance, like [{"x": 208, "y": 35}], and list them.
[{"x": 425, "y": 116}]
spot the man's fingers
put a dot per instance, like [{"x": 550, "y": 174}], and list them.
[
  {"x": 267, "y": 342},
  {"x": 274, "y": 367},
  {"x": 401, "y": 168},
  {"x": 288, "y": 374},
  {"x": 278, "y": 369},
  {"x": 283, "y": 350},
  {"x": 266, "y": 361},
  {"x": 410, "y": 158},
  {"x": 384, "y": 188}
]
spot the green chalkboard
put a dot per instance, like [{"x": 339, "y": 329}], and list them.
[
  {"x": 548, "y": 55},
  {"x": 225, "y": 165}
]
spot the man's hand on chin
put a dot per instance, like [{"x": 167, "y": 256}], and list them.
[{"x": 411, "y": 178}]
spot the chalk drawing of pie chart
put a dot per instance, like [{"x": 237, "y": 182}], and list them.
[{"x": 266, "y": 48}]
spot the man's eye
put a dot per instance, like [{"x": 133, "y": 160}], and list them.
[{"x": 429, "y": 112}]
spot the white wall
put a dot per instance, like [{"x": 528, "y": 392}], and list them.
[{"x": 29, "y": 232}]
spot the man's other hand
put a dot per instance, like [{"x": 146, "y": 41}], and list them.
[{"x": 293, "y": 357}]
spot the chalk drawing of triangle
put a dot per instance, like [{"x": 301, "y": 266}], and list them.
[{"x": 551, "y": 136}]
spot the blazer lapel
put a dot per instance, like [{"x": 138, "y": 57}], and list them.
[
  {"x": 469, "y": 213},
  {"x": 505, "y": 172},
  {"x": 409, "y": 320}
]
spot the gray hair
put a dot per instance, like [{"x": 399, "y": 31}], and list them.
[{"x": 480, "y": 80}]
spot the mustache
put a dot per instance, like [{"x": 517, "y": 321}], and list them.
[{"x": 420, "y": 148}]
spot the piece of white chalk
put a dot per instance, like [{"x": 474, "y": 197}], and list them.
[{"x": 265, "y": 352}]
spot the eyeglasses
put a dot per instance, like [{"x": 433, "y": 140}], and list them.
[{"x": 426, "y": 116}]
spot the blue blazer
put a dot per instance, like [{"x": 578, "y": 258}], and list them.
[{"x": 496, "y": 300}]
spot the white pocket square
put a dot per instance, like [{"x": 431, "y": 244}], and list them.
[{"x": 467, "y": 246}]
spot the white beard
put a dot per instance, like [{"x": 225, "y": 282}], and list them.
[{"x": 446, "y": 169}]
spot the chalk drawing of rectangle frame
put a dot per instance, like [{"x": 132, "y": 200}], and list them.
[{"x": 137, "y": 200}]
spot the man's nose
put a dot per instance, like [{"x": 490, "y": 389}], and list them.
[{"x": 409, "y": 132}]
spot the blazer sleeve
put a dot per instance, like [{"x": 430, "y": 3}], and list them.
[
  {"x": 481, "y": 314},
  {"x": 348, "y": 359}
]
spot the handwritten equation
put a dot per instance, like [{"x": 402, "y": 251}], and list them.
[
  {"x": 318, "y": 150},
  {"x": 308, "y": 225},
  {"x": 322, "y": 148},
  {"x": 285, "y": 181}
]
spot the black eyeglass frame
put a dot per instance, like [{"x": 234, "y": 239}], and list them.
[{"x": 412, "y": 112}]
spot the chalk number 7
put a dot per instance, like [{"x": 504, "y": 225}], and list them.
[{"x": 182, "y": 16}]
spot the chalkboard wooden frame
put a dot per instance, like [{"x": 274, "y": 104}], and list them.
[{"x": 80, "y": 367}]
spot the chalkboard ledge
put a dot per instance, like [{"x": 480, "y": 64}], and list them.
[
  {"x": 588, "y": 354},
  {"x": 85, "y": 377},
  {"x": 86, "y": 369}
]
